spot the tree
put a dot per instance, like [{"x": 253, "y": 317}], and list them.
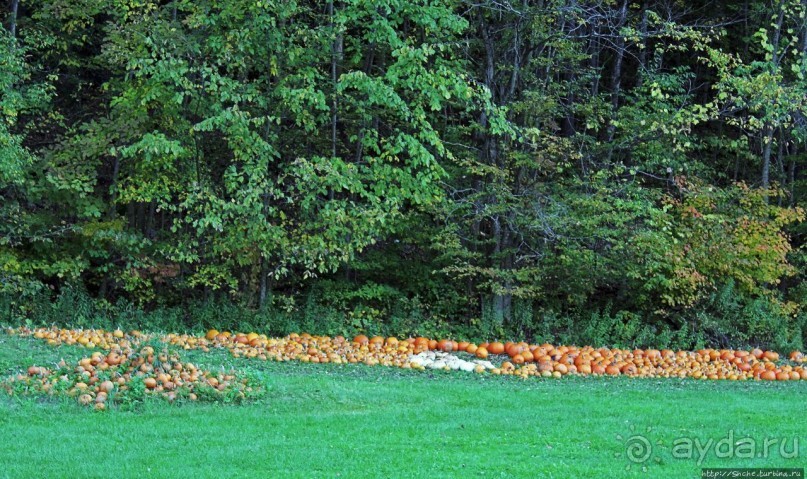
[{"x": 216, "y": 135}]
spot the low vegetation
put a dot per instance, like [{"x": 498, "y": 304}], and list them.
[
  {"x": 354, "y": 420},
  {"x": 129, "y": 367}
]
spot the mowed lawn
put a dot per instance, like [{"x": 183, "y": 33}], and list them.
[{"x": 358, "y": 421}]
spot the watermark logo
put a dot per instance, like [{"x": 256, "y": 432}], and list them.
[
  {"x": 638, "y": 448},
  {"x": 753, "y": 473},
  {"x": 731, "y": 447},
  {"x": 641, "y": 449}
]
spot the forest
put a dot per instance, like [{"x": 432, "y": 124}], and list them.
[{"x": 609, "y": 172}]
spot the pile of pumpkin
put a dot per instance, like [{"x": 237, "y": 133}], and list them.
[
  {"x": 124, "y": 374},
  {"x": 88, "y": 338},
  {"x": 521, "y": 359},
  {"x": 548, "y": 360},
  {"x": 524, "y": 359}
]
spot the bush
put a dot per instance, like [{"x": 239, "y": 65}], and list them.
[
  {"x": 622, "y": 329},
  {"x": 729, "y": 319},
  {"x": 726, "y": 320}
]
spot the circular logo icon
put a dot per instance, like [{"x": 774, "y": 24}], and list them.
[{"x": 638, "y": 449}]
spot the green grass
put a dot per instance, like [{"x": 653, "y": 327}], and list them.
[{"x": 356, "y": 421}]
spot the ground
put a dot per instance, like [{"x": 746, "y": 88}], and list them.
[{"x": 325, "y": 420}]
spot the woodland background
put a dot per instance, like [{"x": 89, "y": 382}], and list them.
[{"x": 607, "y": 172}]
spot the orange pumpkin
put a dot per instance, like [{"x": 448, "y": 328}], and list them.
[
  {"x": 768, "y": 375},
  {"x": 496, "y": 348},
  {"x": 771, "y": 355},
  {"x": 512, "y": 349}
]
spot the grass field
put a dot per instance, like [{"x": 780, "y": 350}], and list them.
[{"x": 359, "y": 421}]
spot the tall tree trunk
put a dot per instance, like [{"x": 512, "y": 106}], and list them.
[
  {"x": 792, "y": 172},
  {"x": 567, "y": 127},
  {"x": 745, "y": 29},
  {"x": 792, "y": 177},
  {"x": 804, "y": 31},
  {"x": 150, "y": 229},
  {"x": 616, "y": 72},
  {"x": 487, "y": 42},
  {"x": 780, "y": 157},
  {"x": 506, "y": 265},
  {"x": 777, "y": 34},
  {"x": 369, "y": 59},
  {"x": 334, "y": 75},
  {"x": 766, "y": 155},
  {"x": 141, "y": 217},
  {"x": 643, "y": 48},
  {"x": 15, "y": 6},
  {"x": 130, "y": 216},
  {"x": 264, "y": 283},
  {"x": 499, "y": 299},
  {"x": 110, "y": 213},
  {"x": 769, "y": 127},
  {"x": 334, "y": 105},
  {"x": 594, "y": 50},
  {"x": 490, "y": 154}
]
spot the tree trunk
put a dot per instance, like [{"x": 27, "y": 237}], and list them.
[
  {"x": 489, "y": 54},
  {"x": 514, "y": 77},
  {"x": 792, "y": 178},
  {"x": 151, "y": 231},
  {"x": 335, "y": 50},
  {"x": 804, "y": 32},
  {"x": 264, "y": 284},
  {"x": 643, "y": 49},
  {"x": 130, "y": 216},
  {"x": 114, "y": 187},
  {"x": 141, "y": 218},
  {"x": 594, "y": 62},
  {"x": 506, "y": 265},
  {"x": 777, "y": 34},
  {"x": 616, "y": 72},
  {"x": 498, "y": 298},
  {"x": 368, "y": 65},
  {"x": 766, "y": 156},
  {"x": 745, "y": 29},
  {"x": 15, "y": 5},
  {"x": 780, "y": 160},
  {"x": 769, "y": 127}
]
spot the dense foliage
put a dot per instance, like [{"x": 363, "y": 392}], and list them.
[{"x": 611, "y": 171}]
